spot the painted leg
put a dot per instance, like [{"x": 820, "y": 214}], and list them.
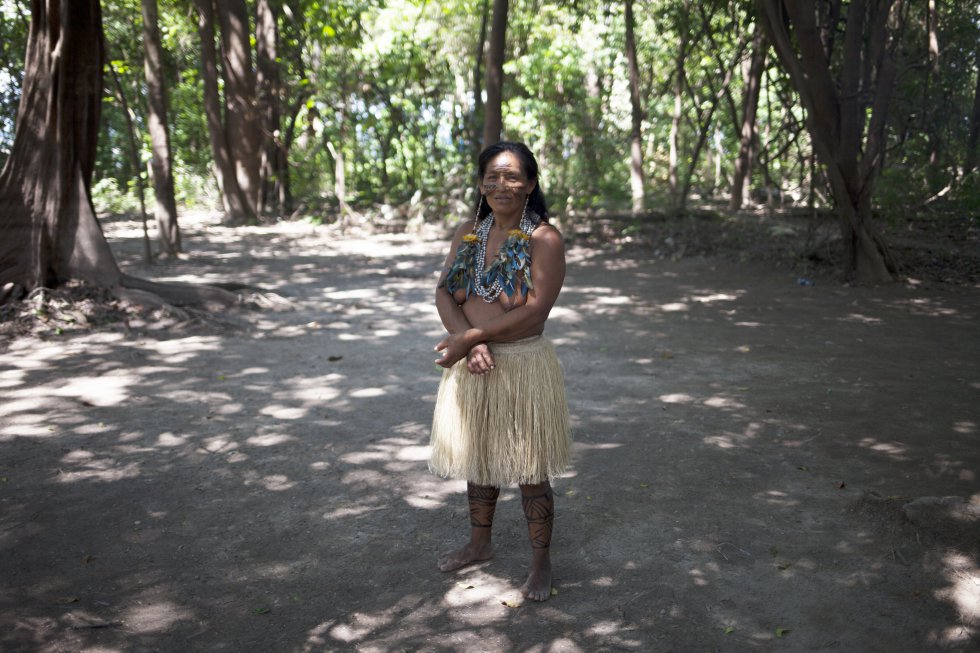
[
  {"x": 483, "y": 503},
  {"x": 539, "y": 509}
]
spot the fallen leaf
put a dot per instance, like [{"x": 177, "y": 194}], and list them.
[
  {"x": 87, "y": 559},
  {"x": 841, "y": 485},
  {"x": 803, "y": 468},
  {"x": 782, "y": 631},
  {"x": 729, "y": 630},
  {"x": 511, "y": 603},
  {"x": 644, "y": 485},
  {"x": 262, "y": 610},
  {"x": 554, "y": 591},
  {"x": 334, "y": 359}
]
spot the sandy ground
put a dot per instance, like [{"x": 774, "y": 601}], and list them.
[{"x": 753, "y": 465}]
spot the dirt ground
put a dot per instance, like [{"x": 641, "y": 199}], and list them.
[{"x": 760, "y": 463}]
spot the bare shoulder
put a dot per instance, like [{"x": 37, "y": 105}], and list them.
[
  {"x": 465, "y": 227},
  {"x": 547, "y": 235}
]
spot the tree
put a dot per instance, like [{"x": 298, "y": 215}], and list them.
[
  {"x": 748, "y": 136},
  {"x": 273, "y": 168},
  {"x": 242, "y": 126},
  {"x": 168, "y": 232},
  {"x": 636, "y": 133},
  {"x": 493, "y": 110},
  {"x": 48, "y": 229},
  {"x": 237, "y": 208},
  {"x": 845, "y": 86}
]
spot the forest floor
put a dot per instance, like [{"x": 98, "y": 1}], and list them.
[{"x": 765, "y": 459}]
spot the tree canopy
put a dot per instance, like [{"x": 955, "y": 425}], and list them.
[{"x": 365, "y": 105}]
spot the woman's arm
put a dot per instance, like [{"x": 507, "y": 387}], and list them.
[
  {"x": 479, "y": 360},
  {"x": 450, "y": 312},
  {"x": 548, "y": 274}
]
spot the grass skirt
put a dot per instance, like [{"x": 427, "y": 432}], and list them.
[{"x": 508, "y": 426}]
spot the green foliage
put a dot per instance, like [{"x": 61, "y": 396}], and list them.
[
  {"x": 14, "y": 17},
  {"x": 109, "y": 197},
  {"x": 388, "y": 85}
]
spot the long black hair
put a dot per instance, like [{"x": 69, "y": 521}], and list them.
[{"x": 529, "y": 165}]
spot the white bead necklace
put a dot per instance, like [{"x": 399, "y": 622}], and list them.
[{"x": 490, "y": 293}]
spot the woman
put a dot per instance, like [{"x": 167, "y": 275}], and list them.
[{"x": 501, "y": 415}]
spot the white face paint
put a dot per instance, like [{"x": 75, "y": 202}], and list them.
[{"x": 505, "y": 185}]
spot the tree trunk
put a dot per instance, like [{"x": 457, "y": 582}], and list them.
[
  {"x": 636, "y": 132},
  {"x": 748, "y": 136},
  {"x": 675, "y": 121},
  {"x": 269, "y": 85},
  {"x": 845, "y": 116},
  {"x": 168, "y": 232},
  {"x": 237, "y": 209},
  {"x": 48, "y": 229},
  {"x": 242, "y": 127},
  {"x": 974, "y": 138},
  {"x": 476, "y": 119},
  {"x": 493, "y": 111},
  {"x": 134, "y": 155}
]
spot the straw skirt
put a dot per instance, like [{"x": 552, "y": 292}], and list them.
[{"x": 508, "y": 426}]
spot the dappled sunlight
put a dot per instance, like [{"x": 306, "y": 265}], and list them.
[
  {"x": 892, "y": 450},
  {"x": 272, "y": 482},
  {"x": 730, "y": 440},
  {"x": 776, "y": 498},
  {"x": 154, "y": 616},
  {"x": 861, "y": 319},
  {"x": 264, "y": 472},
  {"x": 963, "y": 593},
  {"x": 104, "y": 470}
]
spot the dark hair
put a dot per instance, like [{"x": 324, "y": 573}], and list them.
[{"x": 529, "y": 166}]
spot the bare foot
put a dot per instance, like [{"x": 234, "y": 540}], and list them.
[
  {"x": 537, "y": 587},
  {"x": 465, "y": 556}
]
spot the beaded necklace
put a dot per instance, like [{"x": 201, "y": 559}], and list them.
[{"x": 512, "y": 263}]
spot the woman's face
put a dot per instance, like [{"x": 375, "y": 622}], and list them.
[{"x": 505, "y": 184}]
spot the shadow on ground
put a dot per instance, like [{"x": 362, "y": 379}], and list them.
[{"x": 745, "y": 451}]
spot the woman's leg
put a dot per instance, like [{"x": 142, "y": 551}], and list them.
[
  {"x": 483, "y": 503},
  {"x": 539, "y": 509}
]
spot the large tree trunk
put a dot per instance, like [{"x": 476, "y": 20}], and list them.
[
  {"x": 237, "y": 208},
  {"x": 48, "y": 229},
  {"x": 748, "y": 136},
  {"x": 268, "y": 82},
  {"x": 845, "y": 115},
  {"x": 636, "y": 132},
  {"x": 168, "y": 233},
  {"x": 493, "y": 111},
  {"x": 242, "y": 127}
]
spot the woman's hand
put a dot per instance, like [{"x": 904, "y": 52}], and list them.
[
  {"x": 453, "y": 347},
  {"x": 479, "y": 360}
]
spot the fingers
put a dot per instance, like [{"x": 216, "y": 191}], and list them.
[{"x": 480, "y": 360}]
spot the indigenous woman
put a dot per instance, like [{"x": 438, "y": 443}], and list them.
[{"x": 501, "y": 415}]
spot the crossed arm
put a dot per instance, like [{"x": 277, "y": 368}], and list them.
[{"x": 465, "y": 339}]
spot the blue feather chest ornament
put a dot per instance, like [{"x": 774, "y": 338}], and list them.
[{"x": 511, "y": 266}]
